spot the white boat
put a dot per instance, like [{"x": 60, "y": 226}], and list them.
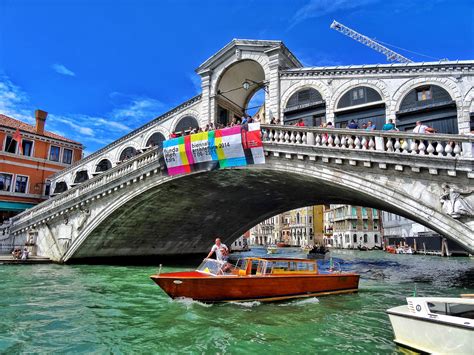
[{"x": 435, "y": 325}]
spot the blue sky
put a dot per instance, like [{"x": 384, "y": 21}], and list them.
[{"x": 104, "y": 67}]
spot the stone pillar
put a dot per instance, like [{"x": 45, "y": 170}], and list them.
[
  {"x": 272, "y": 98},
  {"x": 206, "y": 100}
]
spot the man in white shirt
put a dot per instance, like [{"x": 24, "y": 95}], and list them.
[
  {"x": 221, "y": 250},
  {"x": 421, "y": 128}
]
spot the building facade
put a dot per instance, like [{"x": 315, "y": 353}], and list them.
[
  {"x": 298, "y": 227},
  {"x": 353, "y": 227},
  {"x": 29, "y": 155}
]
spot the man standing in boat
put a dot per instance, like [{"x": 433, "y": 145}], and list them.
[{"x": 221, "y": 250}]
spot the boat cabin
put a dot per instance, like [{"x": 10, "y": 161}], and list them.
[{"x": 259, "y": 267}]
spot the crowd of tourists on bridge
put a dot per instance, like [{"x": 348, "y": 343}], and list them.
[
  {"x": 246, "y": 119},
  {"x": 366, "y": 126}
]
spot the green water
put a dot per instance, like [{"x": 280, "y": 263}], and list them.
[{"x": 118, "y": 309}]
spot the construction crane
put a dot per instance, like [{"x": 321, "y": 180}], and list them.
[{"x": 391, "y": 55}]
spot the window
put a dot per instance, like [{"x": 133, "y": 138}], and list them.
[
  {"x": 376, "y": 226},
  {"x": 366, "y": 225},
  {"x": 354, "y": 236},
  {"x": 27, "y": 146},
  {"x": 364, "y": 212},
  {"x": 5, "y": 181},
  {"x": 10, "y": 145},
  {"x": 67, "y": 156},
  {"x": 347, "y": 238},
  {"x": 376, "y": 239},
  {"x": 423, "y": 94},
  {"x": 54, "y": 153},
  {"x": 358, "y": 94},
  {"x": 365, "y": 238},
  {"x": 21, "y": 183},
  {"x": 354, "y": 224},
  {"x": 354, "y": 211}
]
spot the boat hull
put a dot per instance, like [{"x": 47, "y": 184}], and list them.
[
  {"x": 263, "y": 288},
  {"x": 429, "y": 335}
]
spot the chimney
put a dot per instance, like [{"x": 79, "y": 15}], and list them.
[{"x": 40, "y": 121}]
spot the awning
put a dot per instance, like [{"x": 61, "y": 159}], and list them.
[{"x": 15, "y": 206}]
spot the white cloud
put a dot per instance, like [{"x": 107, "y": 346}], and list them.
[
  {"x": 75, "y": 126},
  {"x": 61, "y": 69},
  {"x": 318, "y": 8},
  {"x": 138, "y": 109},
  {"x": 14, "y": 102},
  {"x": 129, "y": 112},
  {"x": 116, "y": 125}
]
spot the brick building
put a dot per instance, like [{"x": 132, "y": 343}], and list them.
[{"x": 28, "y": 156}]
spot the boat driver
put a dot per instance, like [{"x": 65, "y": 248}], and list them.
[{"x": 221, "y": 250}]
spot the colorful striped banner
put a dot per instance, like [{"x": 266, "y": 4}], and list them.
[{"x": 222, "y": 148}]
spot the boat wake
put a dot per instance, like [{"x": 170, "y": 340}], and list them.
[
  {"x": 189, "y": 302},
  {"x": 249, "y": 304},
  {"x": 303, "y": 302}
]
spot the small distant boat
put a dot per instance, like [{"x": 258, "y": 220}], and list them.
[
  {"x": 262, "y": 279},
  {"x": 318, "y": 253},
  {"x": 435, "y": 324},
  {"x": 306, "y": 248},
  {"x": 283, "y": 245},
  {"x": 272, "y": 249}
]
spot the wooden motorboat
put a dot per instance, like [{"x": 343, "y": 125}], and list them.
[
  {"x": 263, "y": 279},
  {"x": 435, "y": 324},
  {"x": 283, "y": 245}
]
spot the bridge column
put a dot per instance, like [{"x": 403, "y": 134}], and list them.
[
  {"x": 272, "y": 98},
  {"x": 206, "y": 99}
]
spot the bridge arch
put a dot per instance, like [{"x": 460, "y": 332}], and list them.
[
  {"x": 259, "y": 192},
  {"x": 230, "y": 93},
  {"x": 103, "y": 165},
  {"x": 430, "y": 104},
  {"x": 362, "y": 104},
  {"x": 447, "y": 84},
  {"x": 128, "y": 152},
  {"x": 154, "y": 138},
  {"x": 378, "y": 85},
  {"x": 184, "y": 122},
  {"x": 307, "y": 103},
  {"x": 60, "y": 187}
]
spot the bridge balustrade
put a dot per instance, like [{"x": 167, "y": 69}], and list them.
[
  {"x": 432, "y": 145},
  {"x": 96, "y": 182}
]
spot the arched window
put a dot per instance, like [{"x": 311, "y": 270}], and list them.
[
  {"x": 186, "y": 123},
  {"x": 430, "y": 104},
  {"x": 376, "y": 239},
  {"x": 359, "y": 96},
  {"x": 361, "y": 104},
  {"x": 60, "y": 187},
  {"x": 156, "y": 139},
  {"x": 103, "y": 165},
  {"x": 81, "y": 176},
  {"x": 306, "y": 104},
  {"x": 304, "y": 97},
  {"x": 128, "y": 153},
  {"x": 365, "y": 238},
  {"x": 354, "y": 238}
]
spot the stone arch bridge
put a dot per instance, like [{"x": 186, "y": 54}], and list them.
[{"x": 136, "y": 209}]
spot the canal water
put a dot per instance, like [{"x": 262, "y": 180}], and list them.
[{"x": 118, "y": 309}]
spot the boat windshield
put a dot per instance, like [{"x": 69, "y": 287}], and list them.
[{"x": 215, "y": 267}]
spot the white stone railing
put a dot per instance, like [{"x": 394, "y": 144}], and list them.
[
  {"x": 435, "y": 145},
  {"x": 96, "y": 182}
]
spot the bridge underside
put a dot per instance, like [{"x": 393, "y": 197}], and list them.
[{"x": 183, "y": 216}]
